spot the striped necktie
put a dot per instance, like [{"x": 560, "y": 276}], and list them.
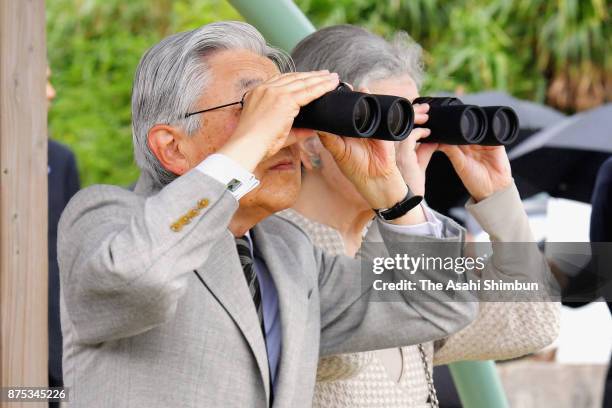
[{"x": 246, "y": 260}]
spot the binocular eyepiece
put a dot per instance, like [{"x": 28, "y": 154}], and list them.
[{"x": 355, "y": 114}]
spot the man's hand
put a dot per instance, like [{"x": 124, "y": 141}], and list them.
[
  {"x": 483, "y": 170},
  {"x": 412, "y": 160},
  {"x": 268, "y": 113}
]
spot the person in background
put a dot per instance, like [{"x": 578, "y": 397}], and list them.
[
  {"x": 336, "y": 217},
  {"x": 601, "y": 231},
  {"x": 63, "y": 183},
  {"x": 587, "y": 285}
]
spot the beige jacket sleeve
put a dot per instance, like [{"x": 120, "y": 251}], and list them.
[{"x": 505, "y": 330}]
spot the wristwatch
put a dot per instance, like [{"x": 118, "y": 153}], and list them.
[{"x": 406, "y": 204}]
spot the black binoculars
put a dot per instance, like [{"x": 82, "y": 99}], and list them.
[
  {"x": 453, "y": 122},
  {"x": 355, "y": 114}
]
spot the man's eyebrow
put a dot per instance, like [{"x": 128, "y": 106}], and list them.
[{"x": 247, "y": 83}]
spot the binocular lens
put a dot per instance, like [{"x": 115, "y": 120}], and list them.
[
  {"x": 469, "y": 123},
  {"x": 363, "y": 115},
  {"x": 504, "y": 125},
  {"x": 473, "y": 124},
  {"x": 501, "y": 123},
  {"x": 396, "y": 119}
]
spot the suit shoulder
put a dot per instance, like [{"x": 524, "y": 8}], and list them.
[
  {"x": 98, "y": 198},
  {"x": 604, "y": 174},
  {"x": 607, "y": 164},
  {"x": 59, "y": 150},
  {"x": 105, "y": 192}
]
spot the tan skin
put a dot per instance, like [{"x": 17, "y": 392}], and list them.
[
  {"x": 50, "y": 89},
  {"x": 261, "y": 139}
]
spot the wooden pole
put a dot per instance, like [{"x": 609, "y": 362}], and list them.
[{"x": 23, "y": 195}]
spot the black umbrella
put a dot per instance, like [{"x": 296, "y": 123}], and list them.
[
  {"x": 590, "y": 130},
  {"x": 563, "y": 159}
]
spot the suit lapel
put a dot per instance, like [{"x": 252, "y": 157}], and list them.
[
  {"x": 293, "y": 307},
  {"x": 230, "y": 288},
  {"x": 228, "y": 285}
]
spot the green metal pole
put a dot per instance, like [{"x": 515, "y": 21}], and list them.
[
  {"x": 478, "y": 384},
  {"x": 283, "y": 24}
]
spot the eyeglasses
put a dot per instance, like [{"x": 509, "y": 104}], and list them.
[{"x": 240, "y": 102}]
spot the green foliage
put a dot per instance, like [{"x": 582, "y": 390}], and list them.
[
  {"x": 94, "y": 47},
  {"x": 534, "y": 49},
  {"x": 545, "y": 50}
]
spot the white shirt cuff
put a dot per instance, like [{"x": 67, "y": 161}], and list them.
[
  {"x": 433, "y": 226},
  {"x": 225, "y": 170}
]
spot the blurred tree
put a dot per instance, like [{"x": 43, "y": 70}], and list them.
[
  {"x": 545, "y": 50},
  {"x": 571, "y": 42}
]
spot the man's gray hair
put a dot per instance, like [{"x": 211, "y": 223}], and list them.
[
  {"x": 172, "y": 76},
  {"x": 359, "y": 56}
]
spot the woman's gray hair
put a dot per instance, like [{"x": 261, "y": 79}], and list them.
[
  {"x": 359, "y": 56},
  {"x": 172, "y": 76}
]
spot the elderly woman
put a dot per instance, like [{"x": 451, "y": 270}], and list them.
[{"x": 333, "y": 213}]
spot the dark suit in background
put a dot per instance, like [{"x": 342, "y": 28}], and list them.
[
  {"x": 601, "y": 216},
  {"x": 63, "y": 182},
  {"x": 600, "y": 231}
]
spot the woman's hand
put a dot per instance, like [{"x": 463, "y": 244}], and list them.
[
  {"x": 370, "y": 165},
  {"x": 483, "y": 170},
  {"x": 413, "y": 157}
]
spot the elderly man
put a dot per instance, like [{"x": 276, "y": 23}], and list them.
[{"x": 186, "y": 292}]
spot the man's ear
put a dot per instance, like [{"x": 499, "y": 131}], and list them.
[{"x": 164, "y": 142}]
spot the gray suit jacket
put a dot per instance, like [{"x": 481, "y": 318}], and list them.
[{"x": 140, "y": 329}]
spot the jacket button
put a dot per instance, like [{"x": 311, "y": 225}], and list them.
[
  {"x": 185, "y": 219},
  {"x": 193, "y": 213},
  {"x": 202, "y": 203},
  {"x": 176, "y": 227}
]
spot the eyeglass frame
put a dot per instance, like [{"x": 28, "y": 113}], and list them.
[{"x": 241, "y": 102}]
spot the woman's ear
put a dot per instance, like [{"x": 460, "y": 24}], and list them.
[
  {"x": 310, "y": 149},
  {"x": 164, "y": 142}
]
